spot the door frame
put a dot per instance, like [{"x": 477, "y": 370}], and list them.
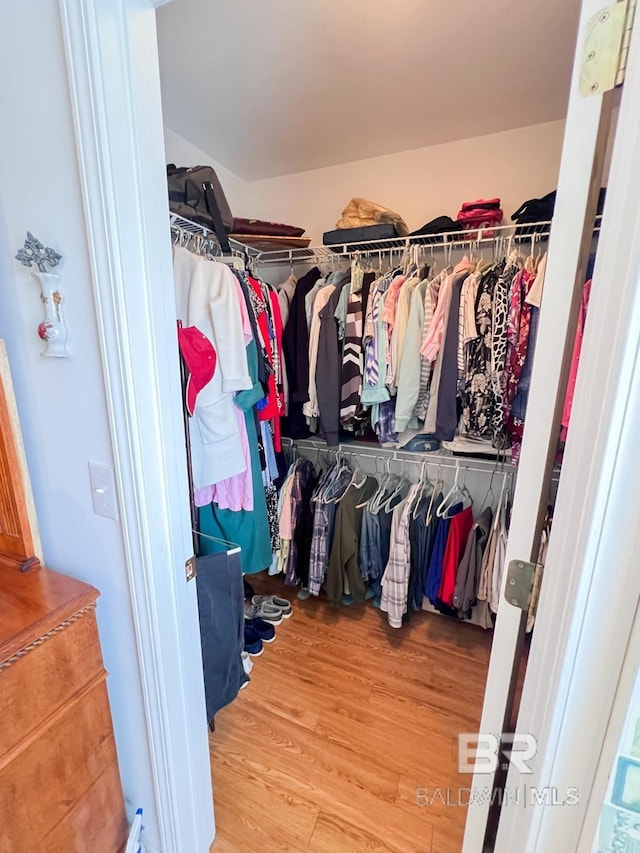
[
  {"x": 111, "y": 49},
  {"x": 113, "y": 70},
  {"x": 585, "y": 651}
]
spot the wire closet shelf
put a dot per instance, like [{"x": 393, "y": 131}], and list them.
[
  {"x": 530, "y": 232},
  {"x": 181, "y": 226},
  {"x": 506, "y": 235}
]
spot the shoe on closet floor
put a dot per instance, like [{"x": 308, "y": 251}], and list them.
[
  {"x": 247, "y": 663},
  {"x": 270, "y": 614},
  {"x": 252, "y": 642},
  {"x": 274, "y": 601},
  {"x": 264, "y": 630}
]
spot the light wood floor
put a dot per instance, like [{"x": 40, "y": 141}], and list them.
[{"x": 343, "y": 719}]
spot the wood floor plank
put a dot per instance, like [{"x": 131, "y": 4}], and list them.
[
  {"x": 303, "y": 757},
  {"x": 343, "y": 719},
  {"x": 263, "y": 796},
  {"x": 334, "y": 834}
]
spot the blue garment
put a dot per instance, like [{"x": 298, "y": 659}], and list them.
[
  {"x": 385, "y": 424},
  {"x": 369, "y": 552},
  {"x": 519, "y": 404},
  {"x": 421, "y": 538},
  {"x": 434, "y": 575}
]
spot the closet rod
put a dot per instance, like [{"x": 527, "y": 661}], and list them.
[
  {"x": 444, "y": 460},
  {"x": 399, "y": 455},
  {"x": 445, "y": 239}
]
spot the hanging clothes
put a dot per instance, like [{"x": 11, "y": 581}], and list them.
[
  {"x": 395, "y": 581},
  {"x": 343, "y": 568},
  {"x": 206, "y": 298},
  {"x": 468, "y": 575},
  {"x": 436, "y": 563},
  {"x": 323, "y": 528},
  {"x": 499, "y": 348},
  {"x": 478, "y": 399},
  {"x": 459, "y": 530},
  {"x": 422, "y": 534},
  {"x": 352, "y": 365},
  {"x": 296, "y": 352},
  {"x": 328, "y": 368},
  {"x": 447, "y": 412},
  {"x": 409, "y": 374},
  {"x": 302, "y": 480},
  {"x": 248, "y": 529}
]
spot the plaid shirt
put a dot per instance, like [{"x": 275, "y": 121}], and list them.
[
  {"x": 323, "y": 526},
  {"x": 395, "y": 581}
]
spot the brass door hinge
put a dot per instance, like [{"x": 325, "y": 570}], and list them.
[
  {"x": 519, "y": 586},
  {"x": 604, "y": 56},
  {"x": 190, "y": 568}
]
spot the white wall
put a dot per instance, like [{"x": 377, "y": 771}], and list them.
[
  {"x": 420, "y": 184},
  {"x": 181, "y": 152},
  {"x": 62, "y": 402}
]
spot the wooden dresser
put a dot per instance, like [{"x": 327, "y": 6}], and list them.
[{"x": 60, "y": 788}]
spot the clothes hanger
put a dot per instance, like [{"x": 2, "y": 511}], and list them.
[
  {"x": 399, "y": 489},
  {"x": 449, "y": 500},
  {"x": 436, "y": 488},
  {"x": 341, "y": 467},
  {"x": 424, "y": 484},
  {"x": 368, "y": 500},
  {"x": 489, "y": 492},
  {"x": 377, "y": 499}
]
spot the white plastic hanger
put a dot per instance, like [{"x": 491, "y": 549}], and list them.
[
  {"x": 436, "y": 488},
  {"x": 424, "y": 484},
  {"x": 454, "y": 493}
]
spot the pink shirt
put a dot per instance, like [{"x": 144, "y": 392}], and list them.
[
  {"x": 235, "y": 492},
  {"x": 431, "y": 344}
]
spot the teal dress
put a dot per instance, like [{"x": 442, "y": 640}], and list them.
[{"x": 248, "y": 529}]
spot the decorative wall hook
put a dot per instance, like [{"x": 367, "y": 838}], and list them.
[{"x": 52, "y": 330}]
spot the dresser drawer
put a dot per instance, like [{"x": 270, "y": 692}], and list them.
[
  {"x": 62, "y": 791},
  {"x": 36, "y": 685}
]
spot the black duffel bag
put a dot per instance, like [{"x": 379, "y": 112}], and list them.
[{"x": 197, "y": 194}]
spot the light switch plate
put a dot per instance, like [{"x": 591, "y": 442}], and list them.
[{"x": 103, "y": 490}]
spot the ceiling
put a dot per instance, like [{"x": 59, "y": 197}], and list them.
[{"x": 271, "y": 88}]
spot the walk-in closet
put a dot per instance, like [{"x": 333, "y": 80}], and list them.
[{"x": 364, "y": 203}]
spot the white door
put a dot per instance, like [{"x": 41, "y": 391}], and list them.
[{"x": 582, "y": 483}]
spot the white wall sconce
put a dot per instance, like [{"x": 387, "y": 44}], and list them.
[{"x": 53, "y": 330}]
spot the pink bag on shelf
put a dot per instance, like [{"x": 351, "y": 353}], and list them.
[{"x": 480, "y": 214}]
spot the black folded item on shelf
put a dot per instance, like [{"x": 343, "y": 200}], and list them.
[
  {"x": 437, "y": 226},
  {"x": 360, "y": 237},
  {"x": 541, "y": 210}
]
